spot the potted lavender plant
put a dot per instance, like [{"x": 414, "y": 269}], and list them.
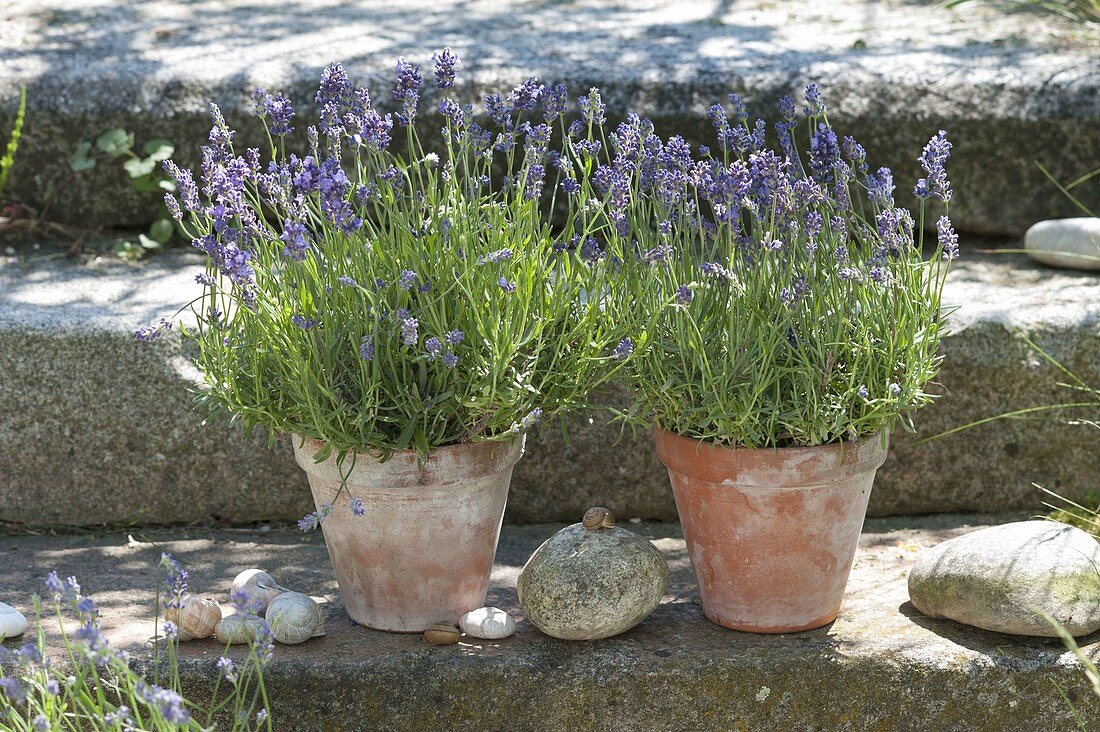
[
  {"x": 404, "y": 315},
  {"x": 798, "y": 324}
]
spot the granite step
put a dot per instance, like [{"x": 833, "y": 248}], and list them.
[
  {"x": 879, "y": 666},
  {"x": 96, "y": 428},
  {"x": 1011, "y": 88}
]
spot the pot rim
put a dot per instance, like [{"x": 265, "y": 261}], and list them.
[
  {"x": 446, "y": 464},
  {"x": 769, "y": 467}
]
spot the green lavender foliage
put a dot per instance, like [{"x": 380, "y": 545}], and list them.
[
  {"x": 451, "y": 314},
  {"x": 806, "y": 344}
]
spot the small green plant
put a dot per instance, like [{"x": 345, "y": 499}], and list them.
[
  {"x": 96, "y": 690},
  {"x": 8, "y": 159},
  {"x": 145, "y": 175}
]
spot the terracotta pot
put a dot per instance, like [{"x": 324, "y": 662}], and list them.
[
  {"x": 771, "y": 532},
  {"x": 423, "y": 550}
]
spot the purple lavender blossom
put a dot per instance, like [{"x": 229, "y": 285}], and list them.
[
  {"x": 335, "y": 85},
  {"x": 505, "y": 284},
  {"x": 948, "y": 239},
  {"x": 446, "y": 64},
  {"x": 555, "y": 100},
  {"x": 450, "y": 360},
  {"x": 167, "y": 703},
  {"x": 684, "y": 295},
  {"x": 496, "y": 257},
  {"x": 185, "y": 184},
  {"x": 296, "y": 237},
  {"x": 275, "y": 110},
  {"x": 529, "y": 420},
  {"x": 366, "y": 348},
  {"x": 313, "y": 520},
  {"x": 880, "y": 188},
  {"x": 357, "y": 507},
  {"x": 433, "y": 347},
  {"x": 174, "y": 585},
  {"x": 895, "y": 389},
  {"x": 41, "y": 724},
  {"x": 304, "y": 323},
  {"x": 824, "y": 153},
  {"x": 54, "y": 586},
  {"x": 407, "y": 279},
  {"x": 150, "y": 333},
  {"x": 226, "y": 669},
  {"x": 407, "y": 90},
  {"x": 934, "y": 159},
  {"x": 535, "y": 178},
  {"x": 526, "y": 96},
  {"x": 623, "y": 350},
  {"x": 454, "y": 337},
  {"x": 13, "y": 690},
  {"x": 173, "y": 205},
  {"x": 593, "y": 110},
  {"x": 862, "y": 392},
  {"x": 816, "y": 106},
  {"x": 347, "y": 281},
  {"x": 410, "y": 328}
]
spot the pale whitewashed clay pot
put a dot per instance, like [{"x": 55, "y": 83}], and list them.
[
  {"x": 424, "y": 548},
  {"x": 771, "y": 533}
]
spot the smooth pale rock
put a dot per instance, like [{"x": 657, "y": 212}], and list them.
[
  {"x": 996, "y": 578},
  {"x": 12, "y": 622},
  {"x": 487, "y": 623},
  {"x": 584, "y": 585},
  {"x": 1070, "y": 243}
]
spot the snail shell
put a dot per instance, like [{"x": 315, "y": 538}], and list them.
[
  {"x": 258, "y": 587},
  {"x": 195, "y": 618},
  {"x": 442, "y": 634},
  {"x": 597, "y": 518},
  {"x": 239, "y": 628},
  {"x": 12, "y": 622},
  {"x": 295, "y": 618}
]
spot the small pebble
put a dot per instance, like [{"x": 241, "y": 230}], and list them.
[
  {"x": 1069, "y": 243},
  {"x": 487, "y": 623},
  {"x": 442, "y": 634}
]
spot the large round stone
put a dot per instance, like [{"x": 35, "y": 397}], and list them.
[
  {"x": 997, "y": 578},
  {"x": 1070, "y": 243},
  {"x": 583, "y": 585}
]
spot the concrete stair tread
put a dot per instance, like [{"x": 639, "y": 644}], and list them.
[
  {"x": 1012, "y": 88},
  {"x": 881, "y": 665}
]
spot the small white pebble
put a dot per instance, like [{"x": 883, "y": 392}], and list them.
[
  {"x": 763, "y": 693},
  {"x": 487, "y": 623},
  {"x": 635, "y": 520}
]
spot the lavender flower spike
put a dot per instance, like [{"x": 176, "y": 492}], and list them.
[
  {"x": 948, "y": 239},
  {"x": 446, "y": 63},
  {"x": 934, "y": 159}
]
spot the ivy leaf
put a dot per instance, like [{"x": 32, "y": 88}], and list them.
[
  {"x": 161, "y": 231},
  {"x": 159, "y": 149},
  {"x": 138, "y": 167},
  {"x": 115, "y": 142},
  {"x": 148, "y": 243},
  {"x": 81, "y": 161},
  {"x": 145, "y": 184}
]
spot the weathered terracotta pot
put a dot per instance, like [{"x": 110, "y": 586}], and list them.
[
  {"x": 423, "y": 550},
  {"x": 771, "y": 532}
]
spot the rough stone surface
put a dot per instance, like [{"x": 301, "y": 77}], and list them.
[
  {"x": 96, "y": 428},
  {"x": 881, "y": 666},
  {"x": 587, "y": 585},
  {"x": 1011, "y": 88},
  {"x": 1072, "y": 243},
  {"x": 997, "y": 579}
]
